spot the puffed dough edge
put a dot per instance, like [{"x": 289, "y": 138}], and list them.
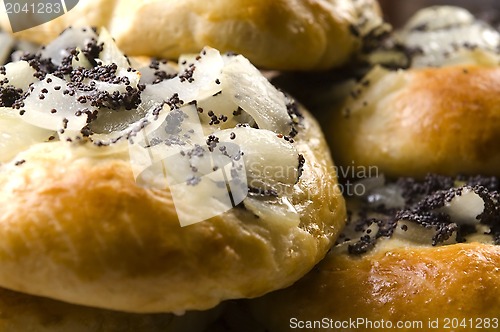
[
  {"x": 79, "y": 229},
  {"x": 404, "y": 284},
  {"x": 279, "y": 34},
  {"x": 418, "y": 121}
]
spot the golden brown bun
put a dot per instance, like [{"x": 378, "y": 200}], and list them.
[
  {"x": 412, "y": 122},
  {"x": 297, "y": 35},
  {"x": 26, "y": 313},
  {"x": 402, "y": 284},
  {"x": 76, "y": 227}
]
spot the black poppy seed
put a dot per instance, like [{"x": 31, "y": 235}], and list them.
[
  {"x": 300, "y": 167},
  {"x": 20, "y": 162},
  {"x": 238, "y": 111},
  {"x": 53, "y": 111},
  {"x": 217, "y": 81},
  {"x": 232, "y": 135},
  {"x": 21, "y": 112}
]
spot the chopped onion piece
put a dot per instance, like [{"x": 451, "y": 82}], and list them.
[
  {"x": 55, "y": 110},
  {"x": 417, "y": 234},
  {"x": 148, "y": 74},
  {"x": 463, "y": 209},
  {"x": 80, "y": 60},
  {"x": 271, "y": 162},
  {"x": 133, "y": 77},
  {"x": 19, "y": 74},
  {"x": 278, "y": 211},
  {"x": 70, "y": 38},
  {"x": 197, "y": 82},
  {"x": 224, "y": 110},
  {"x": 127, "y": 124},
  {"x": 256, "y": 95},
  {"x": 110, "y": 52}
]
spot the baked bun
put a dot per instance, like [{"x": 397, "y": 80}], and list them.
[
  {"x": 439, "y": 113},
  {"x": 21, "y": 312},
  {"x": 102, "y": 165},
  {"x": 291, "y": 35},
  {"x": 412, "y": 253}
]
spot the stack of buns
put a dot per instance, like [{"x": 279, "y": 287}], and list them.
[
  {"x": 421, "y": 247},
  {"x": 152, "y": 178},
  {"x": 134, "y": 191}
]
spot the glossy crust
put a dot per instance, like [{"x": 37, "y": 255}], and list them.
[
  {"x": 26, "y": 313},
  {"x": 403, "y": 284},
  {"x": 280, "y": 34},
  {"x": 418, "y": 121},
  {"x": 76, "y": 227}
]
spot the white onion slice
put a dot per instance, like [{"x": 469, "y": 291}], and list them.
[
  {"x": 148, "y": 73},
  {"x": 70, "y": 38},
  {"x": 222, "y": 106},
  {"x": 463, "y": 209},
  {"x": 19, "y": 74},
  {"x": 125, "y": 124},
  {"x": 80, "y": 60},
  {"x": 271, "y": 161},
  {"x": 256, "y": 95},
  {"x": 110, "y": 52},
  {"x": 207, "y": 70},
  {"x": 133, "y": 76},
  {"x": 39, "y": 112},
  {"x": 279, "y": 211},
  {"x": 417, "y": 234}
]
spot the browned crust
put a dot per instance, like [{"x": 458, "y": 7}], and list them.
[
  {"x": 436, "y": 120},
  {"x": 81, "y": 230},
  {"x": 405, "y": 284},
  {"x": 280, "y": 34}
]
